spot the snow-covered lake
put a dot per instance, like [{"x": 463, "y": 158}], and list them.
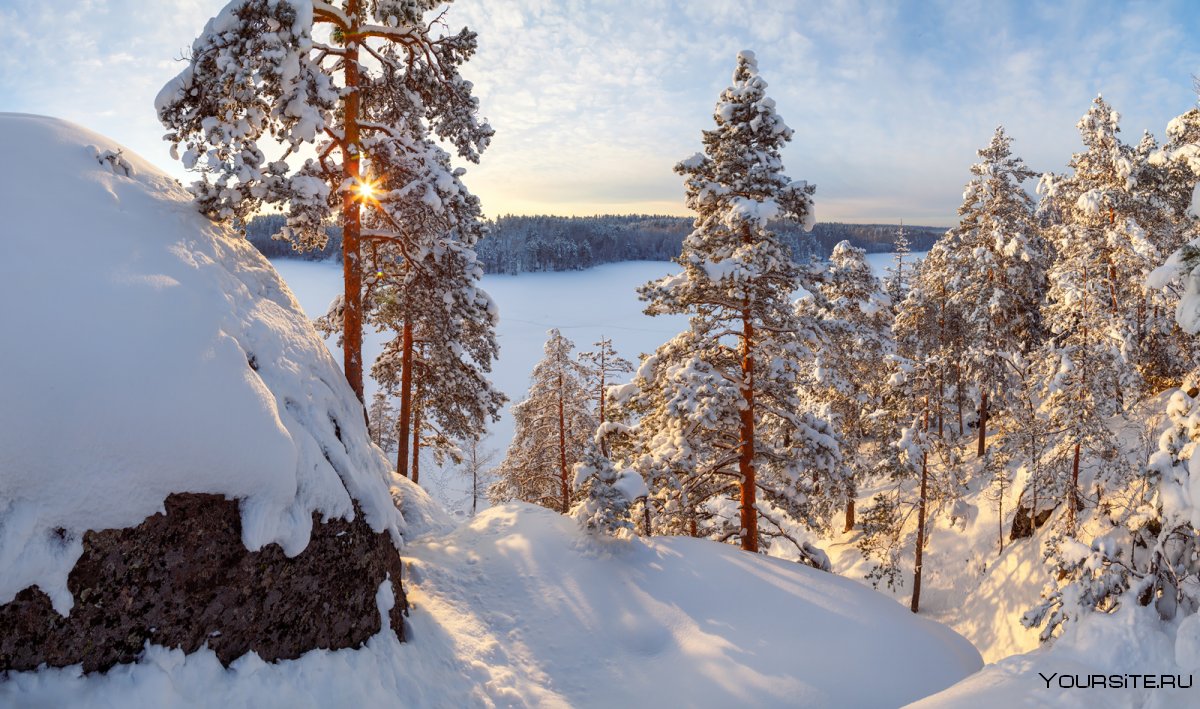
[{"x": 584, "y": 305}]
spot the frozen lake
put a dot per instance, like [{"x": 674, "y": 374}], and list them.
[{"x": 584, "y": 305}]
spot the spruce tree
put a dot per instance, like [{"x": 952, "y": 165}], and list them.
[{"x": 605, "y": 495}]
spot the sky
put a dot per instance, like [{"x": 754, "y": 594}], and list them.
[{"x": 594, "y": 102}]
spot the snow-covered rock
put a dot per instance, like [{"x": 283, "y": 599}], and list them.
[{"x": 150, "y": 352}]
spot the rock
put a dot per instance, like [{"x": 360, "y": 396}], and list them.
[{"x": 185, "y": 579}]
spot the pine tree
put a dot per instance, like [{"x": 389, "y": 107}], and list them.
[
  {"x": 845, "y": 371},
  {"x": 257, "y": 76},
  {"x": 999, "y": 277},
  {"x": 601, "y": 365},
  {"x": 444, "y": 344},
  {"x": 929, "y": 331},
  {"x": 898, "y": 275},
  {"x": 1144, "y": 550},
  {"x": 1096, "y": 289},
  {"x": 477, "y": 467},
  {"x": 728, "y": 419},
  {"x": 553, "y": 427},
  {"x": 381, "y": 421}
]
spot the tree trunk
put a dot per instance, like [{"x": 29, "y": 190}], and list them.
[
  {"x": 959, "y": 395},
  {"x": 562, "y": 449},
  {"x": 351, "y": 224},
  {"x": 983, "y": 417},
  {"x": 849, "y": 512},
  {"x": 603, "y": 440},
  {"x": 646, "y": 517},
  {"x": 1000, "y": 521},
  {"x": 406, "y": 385},
  {"x": 474, "y": 482},
  {"x": 917, "y": 567},
  {"x": 416, "y": 438},
  {"x": 1073, "y": 503},
  {"x": 749, "y": 513}
]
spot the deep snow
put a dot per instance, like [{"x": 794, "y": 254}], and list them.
[{"x": 518, "y": 607}]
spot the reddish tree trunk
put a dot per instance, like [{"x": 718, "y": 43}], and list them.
[
  {"x": 917, "y": 567},
  {"x": 749, "y": 513},
  {"x": 351, "y": 225},
  {"x": 416, "y": 438},
  {"x": 850, "y": 512},
  {"x": 406, "y": 385},
  {"x": 562, "y": 449}
]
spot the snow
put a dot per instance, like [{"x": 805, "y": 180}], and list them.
[
  {"x": 158, "y": 353},
  {"x": 521, "y": 608},
  {"x": 1132, "y": 642}
]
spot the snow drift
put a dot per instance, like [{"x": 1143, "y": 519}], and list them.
[
  {"x": 149, "y": 352},
  {"x": 520, "y": 608}
]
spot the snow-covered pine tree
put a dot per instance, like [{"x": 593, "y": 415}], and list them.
[
  {"x": 729, "y": 397},
  {"x": 476, "y": 466},
  {"x": 1096, "y": 290},
  {"x": 554, "y": 425},
  {"x": 605, "y": 495},
  {"x": 445, "y": 340},
  {"x": 899, "y": 273},
  {"x": 1146, "y": 553},
  {"x": 845, "y": 373},
  {"x": 1001, "y": 263},
  {"x": 929, "y": 335},
  {"x": 362, "y": 103},
  {"x": 601, "y": 366}
]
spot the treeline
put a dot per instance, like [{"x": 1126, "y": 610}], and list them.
[{"x": 523, "y": 244}]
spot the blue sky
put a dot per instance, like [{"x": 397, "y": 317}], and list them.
[{"x": 593, "y": 102}]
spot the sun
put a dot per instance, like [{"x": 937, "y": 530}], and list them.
[{"x": 367, "y": 190}]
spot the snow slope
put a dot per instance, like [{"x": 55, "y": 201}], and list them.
[
  {"x": 153, "y": 352},
  {"x": 520, "y": 608},
  {"x": 1131, "y": 642}
]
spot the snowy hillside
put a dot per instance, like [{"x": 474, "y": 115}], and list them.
[
  {"x": 158, "y": 353},
  {"x": 519, "y": 608}
]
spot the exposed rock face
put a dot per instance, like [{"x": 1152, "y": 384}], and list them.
[
  {"x": 185, "y": 579},
  {"x": 1024, "y": 521}
]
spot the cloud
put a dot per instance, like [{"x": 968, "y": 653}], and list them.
[{"x": 594, "y": 102}]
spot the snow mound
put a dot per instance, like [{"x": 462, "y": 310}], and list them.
[
  {"x": 519, "y": 608},
  {"x": 538, "y": 609},
  {"x": 151, "y": 352},
  {"x": 1105, "y": 661}
]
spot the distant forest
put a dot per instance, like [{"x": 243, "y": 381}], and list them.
[{"x": 518, "y": 244}]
